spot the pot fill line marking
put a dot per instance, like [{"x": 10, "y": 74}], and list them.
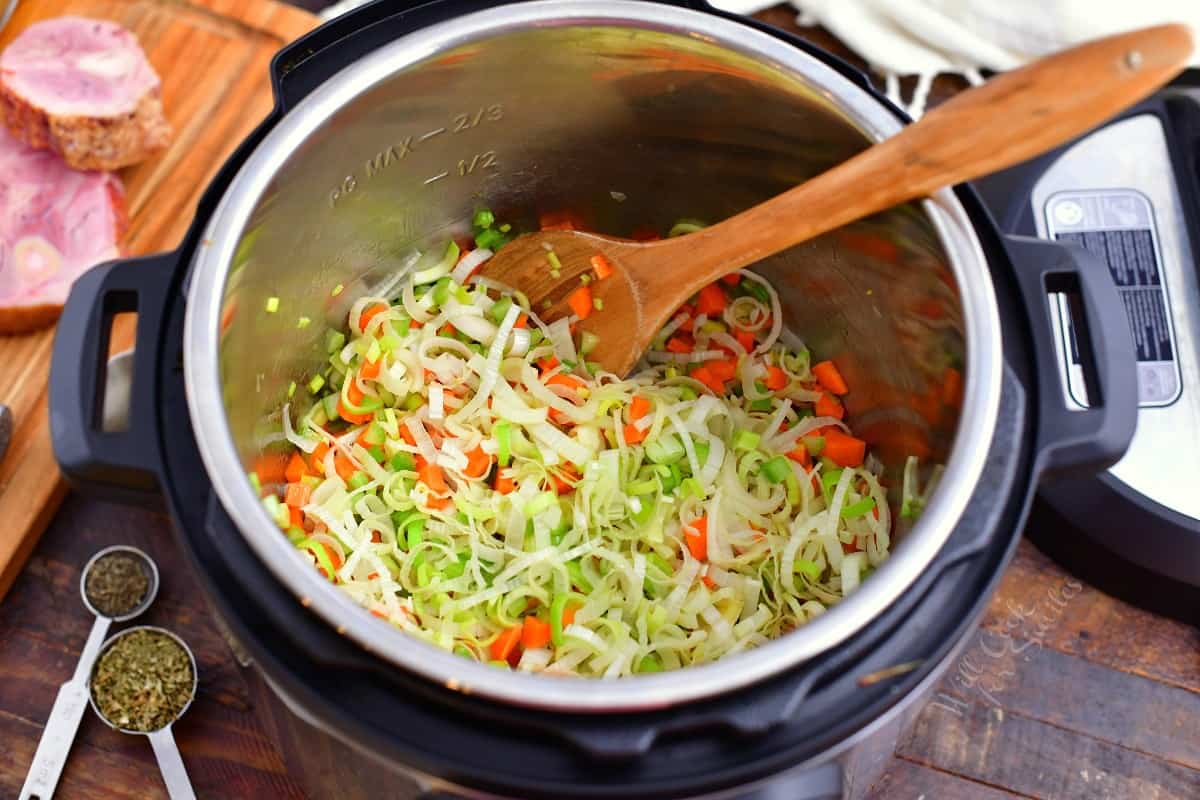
[
  {"x": 431, "y": 134},
  {"x": 436, "y": 178}
]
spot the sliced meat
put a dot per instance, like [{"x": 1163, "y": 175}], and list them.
[
  {"x": 55, "y": 223},
  {"x": 84, "y": 89}
]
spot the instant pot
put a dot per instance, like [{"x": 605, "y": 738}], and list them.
[{"x": 391, "y": 125}]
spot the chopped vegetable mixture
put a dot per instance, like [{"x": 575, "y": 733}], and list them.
[{"x": 467, "y": 475}]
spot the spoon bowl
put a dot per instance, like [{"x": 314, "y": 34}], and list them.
[{"x": 162, "y": 740}]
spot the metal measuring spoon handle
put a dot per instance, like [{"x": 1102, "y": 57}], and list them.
[
  {"x": 59, "y": 733},
  {"x": 74, "y": 695},
  {"x": 170, "y": 764}
]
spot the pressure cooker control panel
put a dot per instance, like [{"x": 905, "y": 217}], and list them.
[{"x": 1118, "y": 226}]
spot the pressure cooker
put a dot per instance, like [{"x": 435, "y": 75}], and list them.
[{"x": 391, "y": 125}]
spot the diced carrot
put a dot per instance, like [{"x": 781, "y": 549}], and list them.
[
  {"x": 431, "y": 475},
  {"x": 354, "y": 394},
  {"x": 952, "y": 387},
  {"x": 709, "y": 582},
  {"x": 369, "y": 313},
  {"x": 580, "y": 302},
  {"x": 370, "y": 369},
  {"x": 564, "y": 379},
  {"x": 478, "y": 463},
  {"x": 569, "y": 615},
  {"x": 776, "y": 379},
  {"x": 344, "y": 466},
  {"x": 696, "y": 536},
  {"x": 350, "y": 416},
  {"x": 297, "y": 494},
  {"x": 723, "y": 370},
  {"x": 638, "y": 408},
  {"x": 850, "y": 547},
  {"x": 376, "y": 537},
  {"x": 535, "y": 633},
  {"x": 712, "y": 300},
  {"x": 871, "y": 244},
  {"x": 297, "y": 468},
  {"x": 602, "y": 265},
  {"x": 680, "y": 343},
  {"x": 522, "y": 321},
  {"x": 437, "y": 503},
  {"x": 271, "y": 468},
  {"x": 930, "y": 308},
  {"x": 548, "y": 363},
  {"x": 705, "y": 376},
  {"x": 446, "y": 330},
  {"x": 801, "y": 456},
  {"x": 506, "y": 642},
  {"x": 318, "y": 457},
  {"x": 732, "y": 279},
  {"x": 829, "y": 406},
  {"x": 633, "y": 435},
  {"x": 560, "y": 221},
  {"x": 745, "y": 339},
  {"x": 407, "y": 436},
  {"x": 830, "y": 378},
  {"x": 843, "y": 449},
  {"x": 565, "y": 484},
  {"x": 295, "y": 517},
  {"x": 504, "y": 483},
  {"x": 376, "y": 612}
]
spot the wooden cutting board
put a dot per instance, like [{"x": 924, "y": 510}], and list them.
[{"x": 213, "y": 56}]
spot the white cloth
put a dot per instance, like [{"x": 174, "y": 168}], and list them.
[{"x": 928, "y": 37}]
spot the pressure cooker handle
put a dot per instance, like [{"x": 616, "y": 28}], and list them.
[
  {"x": 1094, "y": 438},
  {"x": 120, "y": 465}
]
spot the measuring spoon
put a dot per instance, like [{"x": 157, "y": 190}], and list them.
[
  {"x": 166, "y": 752},
  {"x": 63, "y": 723}
]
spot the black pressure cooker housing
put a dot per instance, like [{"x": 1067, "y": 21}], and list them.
[{"x": 741, "y": 738}]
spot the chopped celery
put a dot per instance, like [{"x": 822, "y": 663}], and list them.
[
  {"x": 809, "y": 569},
  {"x": 499, "y": 309},
  {"x": 828, "y": 481},
  {"x": 649, "y": 663},
  {"x": 665, "y": 449},
  {"x": 334, "y": 341},
  {"x": 578, "y": 579},
  {"x": 503, "y": 431},
  {"x": 588, "y": 342},
  {"x": 330, "y": 401},
  {"x": 358, "y": 480},
  {"x": 746, "y": 440},
  {"x": 859, "y": 508},
  {"x": 776, "y": 469},
  {"x": 491, "y": 238},
  {"x": 483, "y": 219},
  {"x": 441, "y": 290}
]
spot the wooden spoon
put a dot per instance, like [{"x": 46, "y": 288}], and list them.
[{"x": 1011, "y": 118}]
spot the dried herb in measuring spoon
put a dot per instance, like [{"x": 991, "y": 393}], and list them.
[
  {"x": 143, "y": 681},
  {"x": 116, "y": 584}
]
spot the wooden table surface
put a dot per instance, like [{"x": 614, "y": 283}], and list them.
[{"x": 1064, "y": 692}]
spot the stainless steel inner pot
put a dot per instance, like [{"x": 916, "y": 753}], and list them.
[{"x": 632, "y": 114}]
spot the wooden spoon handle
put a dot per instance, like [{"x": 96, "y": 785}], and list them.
[{"x": 1011, "y": 118}]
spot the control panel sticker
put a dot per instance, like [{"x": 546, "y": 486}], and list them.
[{"x": 1118, "y": 228}]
